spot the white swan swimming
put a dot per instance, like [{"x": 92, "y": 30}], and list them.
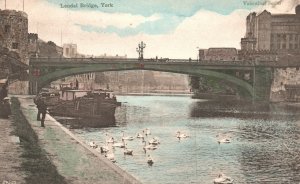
[
  {"x": 92, "y": 144},
  {"x": 119, "y": 144},
  {"x": 127, "y": 151},
  {"x": 180, "y": 135},
  {"x": 109, "y": 140},
  {"x": 104, "y": 149},
  {"x": 154, "y": 141},
  {"x": 139, "y": 135},
  {"x": 224, "y": 140},
  {"x": 150, "y": 147},
  {"x": 223, "y": 179},
  {"x": 130, "y": 138}
]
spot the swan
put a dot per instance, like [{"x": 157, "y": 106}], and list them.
[
  {"x": 119, "y": 144},
  {"x": 104, "y": 149},
  {"x": 92, "y": 144},
  {"x": 139, "y": 135},
  {"x": 147, "y": 132},
  {"x": 150, "y": 160},
  {"x": 154, "y": 141},
  {"x": 181, "y": 135},
  {"x": 224, "y": 140},
  {"x": 109, "y": 140},
  {"x": 110, "y": 156},
  {"x": 223, "y": 179},
  {"x": 130, "y": 138},
  {"x": 149, "y": 147},
  {"x": 127, "y": 151}
]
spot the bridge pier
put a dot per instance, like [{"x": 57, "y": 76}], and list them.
[
  {"x": 262, "y": 81},
  {"x": 33, "y": 87}
]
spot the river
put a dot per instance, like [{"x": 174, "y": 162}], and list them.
[{"x": 264, "y": 148}]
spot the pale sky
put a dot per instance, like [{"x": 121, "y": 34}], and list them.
[{"x": 170, "y": 28}]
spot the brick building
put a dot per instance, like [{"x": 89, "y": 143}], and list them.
[{"x": 279, "y": 32}]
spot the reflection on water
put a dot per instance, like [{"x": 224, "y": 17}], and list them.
[{"x": 264, "y": 148}]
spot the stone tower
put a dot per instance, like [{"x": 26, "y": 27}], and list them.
[{"x": 14, "y": 32}]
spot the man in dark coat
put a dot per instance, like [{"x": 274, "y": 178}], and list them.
[
  {"x": 43, "y": 110},
  {"x": 37, "y": 102}
]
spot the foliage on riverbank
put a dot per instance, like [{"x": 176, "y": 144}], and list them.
[{"x": 35, "y": 161}]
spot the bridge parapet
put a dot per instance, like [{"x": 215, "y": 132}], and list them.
[{"x": 237, "y": 63}]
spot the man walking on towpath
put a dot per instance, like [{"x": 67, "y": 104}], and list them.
[
  {"x": 42, "y": 108},
  {"x": 37, "y": 102}
]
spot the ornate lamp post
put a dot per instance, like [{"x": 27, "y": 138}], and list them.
[{"x": 140, "y": 50}]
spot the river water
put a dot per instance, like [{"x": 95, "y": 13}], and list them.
[{"x": 264, "y": 148}]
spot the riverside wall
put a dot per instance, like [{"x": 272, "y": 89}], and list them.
[
  {"x": 281, "y": 78},
  {"x": 74, "y": 160}
]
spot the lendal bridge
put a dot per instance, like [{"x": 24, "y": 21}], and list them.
[{"x": 252, "y": 78}]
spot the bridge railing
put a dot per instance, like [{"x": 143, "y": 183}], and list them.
[
  {"x": 135, "y": 60},
  {"x": 171, "y": 61}
]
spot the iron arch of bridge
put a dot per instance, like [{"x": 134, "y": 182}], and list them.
[{"x": 181, "y": 69}]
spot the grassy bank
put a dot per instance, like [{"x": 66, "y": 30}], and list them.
[{"x": 37, "y": 165}]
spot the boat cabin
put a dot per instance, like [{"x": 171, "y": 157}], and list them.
[{"x": 73, "y": 94}]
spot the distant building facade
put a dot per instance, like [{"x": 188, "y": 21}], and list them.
[
  {"x": 266, "y": 31},
  {"x": 14, "y": 32},
  {"x": 70, "y": 50}
]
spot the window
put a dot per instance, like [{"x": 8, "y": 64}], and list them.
[
  {"x": 7, "y": 28},
  {"x": 291, "y": 46},
  {"x": 15, "y": 45},
  {"x": 278, "y": 46},
  {"x": 290, "y": 37},
  {"x": 296, "y": 46}
]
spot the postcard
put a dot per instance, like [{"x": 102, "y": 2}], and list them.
[{"x": 149, "y": 91}]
